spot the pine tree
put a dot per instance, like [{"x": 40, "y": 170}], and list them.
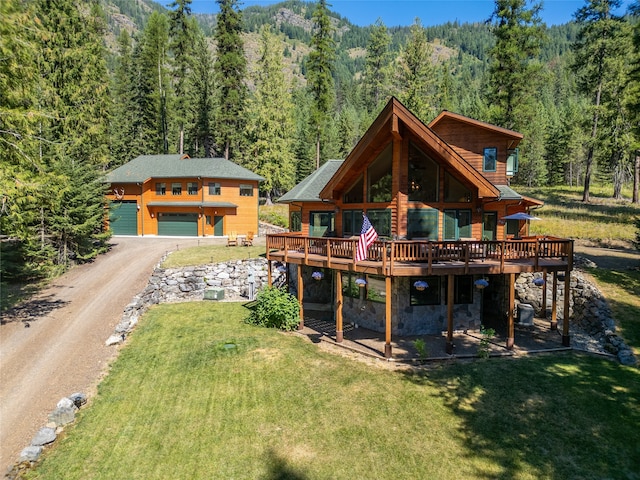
[
  {"x": 596, "y": 49},
  {"x": 319, "y": 73},
  {"x": 375, "y": 84},
  {"x": 201, "y": 92},
  {"x": 181, "y": 36},
  {"x": 124, "y": 145},
  {"x": 153, "y": 90},
  {"x": 633, "y": 100},
  {"x": 416, "y": 77},
  {"x": 271, "y": 121},
  {"x": 514, "y": 71},
  {"x": 230, "y": 71}
]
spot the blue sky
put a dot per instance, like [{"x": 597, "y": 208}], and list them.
[{"x": 430, "y": 12}]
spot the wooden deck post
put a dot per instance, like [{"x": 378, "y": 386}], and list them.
[
  {"x": 339, "y": 329},
  {"x": 269, "y": 281},
  {"x": 566, "y": 340},
  {"x": 554, "y": 303},
  {"x": 544, "y": 292},
  {"x": 300, "y": 297},
  {"x": 387, "y": 327},
  {"x": 450, "y": 299},
  {"x": 512, "y": 295}
]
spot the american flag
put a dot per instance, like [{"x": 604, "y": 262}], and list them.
[{"x": 368, "y": 235}]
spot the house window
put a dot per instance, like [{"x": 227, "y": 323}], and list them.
[
  {"x": 379, "y": 177},
  {"x": 463, "y": 290},
  {"x": 351, "y": 222},
  {"x": 355, "y": 195},
  {"x": 214, "y": 189},
  {"x": 192, "y": 188},
  {"x": 381, "y": 221},
  {"x": 422, "y": 223},
  {"x": 321, "y": 224},
  {"x": 490, "y": 159},
  {"x": 430, "y": 295},
  {"x": 161, "y": 188},
  {"x": 295, "y": 221},
  {"x": 176, "y": 189},
  {"x": 457, "y": 224},
  {"x": 513, "y": 227},
  {"x": 423, "y": 176},
  {"x": 455, "y": 191},
  {"x": 376, "y": 289},
  {"x": 246, "y": 190},
  {"x": 512, "y": 161}
]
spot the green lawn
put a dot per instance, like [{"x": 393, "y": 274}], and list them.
[{"x": 196, "y": 393}]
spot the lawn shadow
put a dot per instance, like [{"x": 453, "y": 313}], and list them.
[
  {"x": 280, "y": 470},
  {"x": 555, "y": 417}
]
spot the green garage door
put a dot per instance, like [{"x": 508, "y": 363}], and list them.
[
  {"x": 178, "y": 224},
  {"x": 124, "y": 218}
]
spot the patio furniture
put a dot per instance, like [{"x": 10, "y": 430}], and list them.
[
  {"x": 232, "y": 239},
  {"x": 248, "y": 240}
]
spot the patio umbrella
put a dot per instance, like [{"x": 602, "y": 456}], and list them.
[{"x": 520, "y": 216}]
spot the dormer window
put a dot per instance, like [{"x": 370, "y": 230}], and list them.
[{"x": 490, "y": 159}]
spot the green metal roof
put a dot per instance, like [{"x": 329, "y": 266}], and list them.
[
  {"x": 145, "y": 167},
  {"x": 507, "y": 193},
  {"x": 308, "y": 190}
]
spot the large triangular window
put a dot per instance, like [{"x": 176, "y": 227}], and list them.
[
  {"x": 423, "y": 176},
  {"x": 454, "y": 190},
  {"x": 379, "y": 177},
  {"x": 356, "y": 193}
]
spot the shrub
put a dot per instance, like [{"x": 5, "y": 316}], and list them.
[
  {"x": 487, "y": 335},
  {"x": 275, "y": 308}
]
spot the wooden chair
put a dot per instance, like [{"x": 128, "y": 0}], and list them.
[
  {"x": 248, "y": 240},
  {"x": 232, "y": 239}
]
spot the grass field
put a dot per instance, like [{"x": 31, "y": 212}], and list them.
[{"x": 196, "y": 393}]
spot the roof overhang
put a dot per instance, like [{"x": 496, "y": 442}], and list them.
[{"x": 193, "y": 204}]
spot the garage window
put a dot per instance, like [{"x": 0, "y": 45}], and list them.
[
  {"x": 192, "y": 188},
  {"x": 176, "y": 189},
  {"x": 161, "y": 188},
  {"x": 246, "y": 190},
  {"x": 214, "y": 189}
]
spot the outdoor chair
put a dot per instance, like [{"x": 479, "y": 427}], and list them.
[
  {"x": 248, "y": 240},
  {"x": 232, "y": 239}
]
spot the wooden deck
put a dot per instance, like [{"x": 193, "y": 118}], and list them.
[{"x": 421, "y": 257}]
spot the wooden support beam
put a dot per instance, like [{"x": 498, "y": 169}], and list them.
[
  {"x": 512, "y": 299},
  {"x": 554, "y": 303},
  {"x": 566, "y": 340},
  {"x": 300, "y": 297},
  {"x": 269, "y": 281},
  {"x": 387, "y": 327},
  {"x": 544, "y": 293},
  {"x": 339, "y": 327},
  {"x": 450, "y": 299}
]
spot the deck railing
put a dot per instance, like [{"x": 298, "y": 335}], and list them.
[{"x": 424, "y": 251}]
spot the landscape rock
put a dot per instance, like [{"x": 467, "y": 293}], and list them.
[
  {"x": 79, "y": 399},
  {"x": 31, "y": 453},
  {"x": 113, "y": 340},
  {"x": 63, "y": 415},
  {"x": 44, "y": 436},
  {"x": 66, "y": 402}
]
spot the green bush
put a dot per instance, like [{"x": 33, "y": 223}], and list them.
[{"x": 275, "y": 308}]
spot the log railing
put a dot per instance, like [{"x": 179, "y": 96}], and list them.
[{"x": 424, "y": 251}]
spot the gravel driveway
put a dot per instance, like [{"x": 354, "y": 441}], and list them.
[{"x": 63, "y": 350}]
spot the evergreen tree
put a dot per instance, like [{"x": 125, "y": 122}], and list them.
[
  {"x": 181, "y": 44},
  {"x": 202, "y": 97},
  {"x": 416, "y": 77},
  {"x": 597, "y": 50},
  {"x": 633, "y": 99},
  {"x": 153, "y": 89},
  {"x": 271, "y": 121},
  {"x": 514, "y": 72},
  {"x": 124, "y": 144},
  {"x": 319, "y": 73},
  {"x": 375, "y": 83},
  {"x": 230, "y": 71}
]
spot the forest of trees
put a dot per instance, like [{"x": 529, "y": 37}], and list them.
[{"x": 74, "y": 104}]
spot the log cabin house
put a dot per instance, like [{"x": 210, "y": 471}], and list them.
[
  {"x": 174, "y": 195},
  {"x": 445, "y": 259}
]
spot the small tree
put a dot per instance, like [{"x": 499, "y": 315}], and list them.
[{"x": 275, "y": 308}]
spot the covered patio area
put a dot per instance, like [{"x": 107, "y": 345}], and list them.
[{"x": 538, "y": 338}]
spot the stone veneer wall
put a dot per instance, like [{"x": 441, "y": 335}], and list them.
[{"x": 592, "y": 326}]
